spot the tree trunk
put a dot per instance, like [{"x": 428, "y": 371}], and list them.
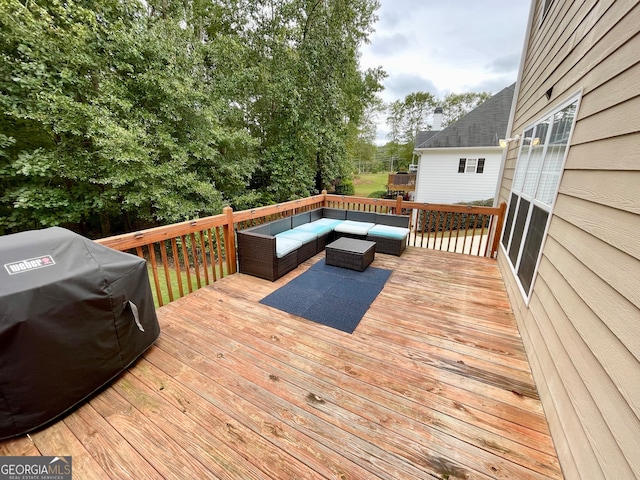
[{"x": 105, "y": 224}]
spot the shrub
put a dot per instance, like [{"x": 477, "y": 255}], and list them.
[
  {"x": 345, "y": 187},
  {"x": 378, "y": 194},
  {"x": 438, "y": 221}
]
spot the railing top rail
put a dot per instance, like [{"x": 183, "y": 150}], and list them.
[
  {"x": 360, "y": 200},
  {"x": 127, "y": 241},
  {"x": 452, "y": 208},
  {"x": 244, "y": 215},
  {"x": 140, "y": 238}
]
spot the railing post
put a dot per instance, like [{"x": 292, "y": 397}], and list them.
[
  {"x": 498, "y": 231},
  {"x": 230, "y": 241},
  {"x": 399, "y": 205},
  {"x": 324, "y": 198}
]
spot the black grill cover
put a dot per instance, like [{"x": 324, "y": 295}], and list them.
[{"x": 73, "y": 315}]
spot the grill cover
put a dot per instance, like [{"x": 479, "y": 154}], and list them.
[{"x": 73, "y": 315}]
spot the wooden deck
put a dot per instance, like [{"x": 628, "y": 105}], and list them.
[{"x": 434, "y": 383}]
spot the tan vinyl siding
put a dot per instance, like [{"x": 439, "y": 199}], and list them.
[{"x": 582, "y": 325}]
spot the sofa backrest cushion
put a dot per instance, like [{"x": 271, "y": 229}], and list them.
[
  {"x": 392, "y": 220},
  {"x": 369, "y": 217},
  {"x": 278, "y": 226},
  {"x": 261, "y": 229},
  {"x": 336, "y": 213},
  {"x": 315, "y": 214},
  {"x": 300, "y": 219}
]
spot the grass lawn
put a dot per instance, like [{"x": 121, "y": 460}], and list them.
[
  {"x": 163, "y": 284},
  {"x": 173, "y": 275},
  {"x": 367, "y": 183}
]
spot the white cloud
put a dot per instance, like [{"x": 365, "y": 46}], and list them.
[{"x": 446, "y": 46}]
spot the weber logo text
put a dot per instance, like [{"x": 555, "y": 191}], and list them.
[{"x": 29, "y": 264}]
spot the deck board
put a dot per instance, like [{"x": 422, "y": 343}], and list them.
[{"x": 434, "y": 382}]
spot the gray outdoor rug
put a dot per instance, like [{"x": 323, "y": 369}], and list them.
[{"x": 333, "y": 296}]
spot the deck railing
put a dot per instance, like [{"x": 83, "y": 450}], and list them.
[
  {"x": 402, "y": 181},
  {"x": 185, "y": 256}
]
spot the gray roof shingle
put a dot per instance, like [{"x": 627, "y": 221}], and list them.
[
  {"x": 481, "y": 127},
  {"x": 425, "y": 135}
]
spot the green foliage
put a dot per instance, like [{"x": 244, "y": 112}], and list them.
[
  {"x": 436, "y": 221},
  {"x": 457, "y": 105},
  {"x": 408, "y": 116},
  {"x": 118, "y": 113},
  {"x": 312, "y": 94},
  {"x": 377, "y": 194},
  {"x": 479, "y": 203},
  {"x": 345, "y": 187}
]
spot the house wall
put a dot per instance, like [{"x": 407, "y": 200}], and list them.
[
  {"x": 438, "y": 180},
  {"x": 581, "y": 328}
]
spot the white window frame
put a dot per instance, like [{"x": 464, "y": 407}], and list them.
[
  {"x": 531, "y": 198},
  {"x": 471, "y": 165}
]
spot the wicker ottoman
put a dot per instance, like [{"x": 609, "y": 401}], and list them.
[{"x": 350, "y": 253}]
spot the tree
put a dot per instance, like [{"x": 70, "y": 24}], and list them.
[
  {"x": 457, "y": 105},
  {"x": 412, "y": 114},
  {"x": 361, "y": 147},
  {"x": 313, "y": 94},
  {"x": 120, "y": 114},
  {"x": 405, "y": 118},
  {"x": 109, "y": 117}
]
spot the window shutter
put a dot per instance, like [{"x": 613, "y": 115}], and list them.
[
  {"x": 480, "y": 167},
  {"x": 461, "y": 165}
]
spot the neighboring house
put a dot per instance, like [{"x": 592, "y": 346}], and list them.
[
  {"x": 570, "y": 253},
  {"x": 462, "y": 162}
]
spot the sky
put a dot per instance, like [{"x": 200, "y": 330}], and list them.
[{"x": 444, "y": 46}]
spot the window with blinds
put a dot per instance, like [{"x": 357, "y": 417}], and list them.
[{"x": 543, "y": 151}]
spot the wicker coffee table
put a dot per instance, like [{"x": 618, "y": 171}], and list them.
[{"x": 350, "y": 253}]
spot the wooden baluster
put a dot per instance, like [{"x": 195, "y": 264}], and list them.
[
  {"x": 196, "y": 264},
  {"x": 458, "y": 217},
  {"x": 176, "y": 264},
  {"x": 475, "y": 226},
  {"x": 204, "y": 258},
  {"x": 431, "y": 218},
  {"x": 185, "y": 259},
  {"x": 212, "y": 254},
  {"x": 219, "y": 250},
  {"x": 489, "y": 233},
  {"x": 444, "y": 219},
  {"x": 449, "y": 219},
  {"x": 466, "y": 233},
  {"x": 154, "y": 269},
  {"x": 165, "y": 265}
]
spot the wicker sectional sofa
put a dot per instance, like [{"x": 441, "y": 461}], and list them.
[{"x": 275, "y": 248}]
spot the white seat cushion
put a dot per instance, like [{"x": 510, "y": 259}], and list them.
[
  {"x": 320, "y": 227},
  {"x": 354, "y": 228},
  {"x": 286, "y": 245},
  {"x": 300, "y": 235},
  {"x": 386, "y": 231}
]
